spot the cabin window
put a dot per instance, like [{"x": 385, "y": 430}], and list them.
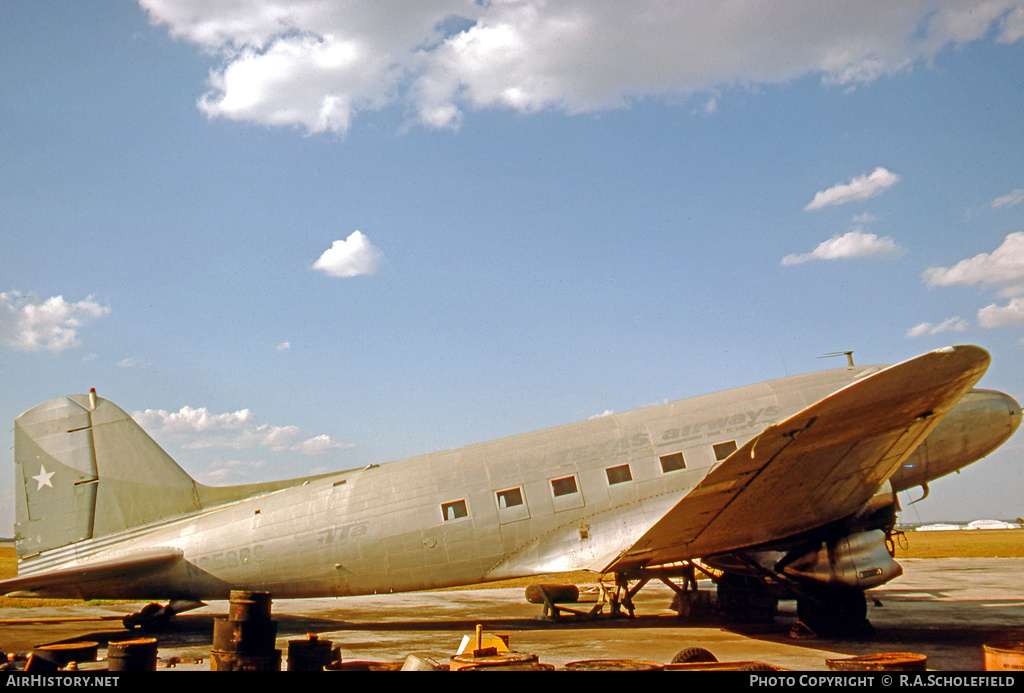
[
  {"x": 618, "y": 475},
  {"x": 672, "y": 463},
  {"x": 564, "y": 486},
  {"x": 454, "y": 511},
  {"x": 723, "y": 450},
  {"x": 511, "y": 505},
  {"x": 510, "y": 498}
]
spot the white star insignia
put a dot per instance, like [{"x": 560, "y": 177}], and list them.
[{"x": 43, "y": 479}]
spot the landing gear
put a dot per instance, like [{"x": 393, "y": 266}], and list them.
[
  {"x": 833, "y": 610},
  {"x": 151, "y": 617},
  {"x": 154, "y": 617},
  {"x": 744, "y": 599},
  {"x": 830, "y": 610},
  {"x": 694, "y": 655},
  {"x": 688, "y": 601}
]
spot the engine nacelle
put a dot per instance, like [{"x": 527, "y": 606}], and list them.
[{"x": 859, "y": 560}]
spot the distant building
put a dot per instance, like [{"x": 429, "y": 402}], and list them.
[
  {"x": 992, "y": 524},
  {"x": 977, "y": 524}
]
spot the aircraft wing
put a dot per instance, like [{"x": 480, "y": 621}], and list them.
[
  {"x": 69, "y": 581},
  {"x": 818, "y": 466}
]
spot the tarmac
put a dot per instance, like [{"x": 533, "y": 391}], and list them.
[{"x": 944, "y": 609}]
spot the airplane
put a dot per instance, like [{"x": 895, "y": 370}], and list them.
[{"x": 788, "y": 484}]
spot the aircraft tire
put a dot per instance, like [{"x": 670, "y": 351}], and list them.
[
  {"x": 692, "y": 655},
  {"x": 743, "y": 599},
  {"x": 152, "y": 617},
  {"x": 834, "y": 611}
]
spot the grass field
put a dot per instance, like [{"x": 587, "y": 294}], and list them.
[
  {"x": 996, "y": 543},
  {"x": 975, "y": 543}
]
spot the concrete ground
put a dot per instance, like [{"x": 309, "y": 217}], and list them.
[{"x": 945, "y": 609}]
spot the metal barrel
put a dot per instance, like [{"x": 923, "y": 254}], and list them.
[
  {"x": 886, "y": 661},
  {"x": 132, "y": 655},
  {"x": 613, "y": 665},
  {"x": 1007, "y": 655},
  {"x": 249, "y": 606},
  {"x": 422, "y": 662},
  {"x": 244, "y": 641},
  {"x": 363, "y": 666},
  {"x": 524, "y": 666},
  {"x": 62, "y": 653},
  {"x": 309, "y": 654},
  {"x": 229, "y": 661},
  {"x": 504, "y": 659},
  {"x": 556, "y": 594},
  {"x": 242, "y": 637}
]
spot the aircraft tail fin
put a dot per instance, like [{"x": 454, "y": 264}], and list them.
[{"x": 83, "y": 469}]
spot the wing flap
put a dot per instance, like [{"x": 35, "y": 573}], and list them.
[
  {"x": 818, "y": 466},
  {"x": 70, "y": 581}
]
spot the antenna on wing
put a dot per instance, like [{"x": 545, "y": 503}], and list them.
[{"x": 847, "y": 354}]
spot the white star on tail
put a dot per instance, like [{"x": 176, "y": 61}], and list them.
[{"x": 43, "y": 479}]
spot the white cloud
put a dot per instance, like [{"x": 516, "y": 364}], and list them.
[
  {"x": 864, "y": 218},
  {"x": 860, "y": 188},
  {"x": 232, "y": 471},
  {"x": 1012, "y": 28},
  {"x": 28, "y": 324},
  {"x": 853, "y": 244},
  {"x": 351, "y": 257},
  {"x": 198, "y": 429},
  {"x": 1014, "y": 198},
  {"x": 992, "y": 316},
  {"x": 283, "y": 346},
  {"x": 189, "y": 420},
  {"x": 926, "y": 328},
  {"x": 319, "y": 445},
  {"x": 132, "y": 362},
  {"x": 316, "y": 65},
  {"x": 1004, "y": 266}
]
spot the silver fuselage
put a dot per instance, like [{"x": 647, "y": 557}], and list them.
[{"x": 566, "y": 498}]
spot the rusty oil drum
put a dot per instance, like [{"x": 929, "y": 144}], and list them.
[
  {"x": 62, "y": 654},
  {"x": 244, "y": 641},
  {"x": 556, "y": 594},
  {"x": 309, "y": 654},
  {"x": 57, "y": 655},
  {"x": 494, "y": 662},
  {"x": 1007, "y": 655},
  {"x": 886, "y": 661},
  {"x": 613, "y": 665},
  {"x": 249, "y": 606},
  {"x": 244, "y": 637},
  {"x": 132, "y": 655}
]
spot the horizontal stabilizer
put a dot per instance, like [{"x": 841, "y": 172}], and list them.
[
  {"x": 73, "y": 582},
  {"x": 818, "y": 466}
]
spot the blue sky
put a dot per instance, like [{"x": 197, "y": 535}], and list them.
[{"x": 305, "y": 236}]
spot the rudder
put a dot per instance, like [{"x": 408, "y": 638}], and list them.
[{"x": 83, "y": 469}]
